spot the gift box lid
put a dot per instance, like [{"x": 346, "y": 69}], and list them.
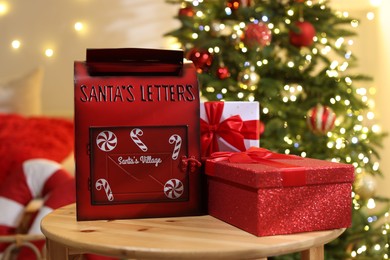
[{"x": 261, "y": 168}]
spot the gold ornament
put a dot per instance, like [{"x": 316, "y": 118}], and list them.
[
  {"x": 365, "y": 185},
  {"x": 248, "y": 79}
]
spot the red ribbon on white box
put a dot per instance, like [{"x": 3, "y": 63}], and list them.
[{"x": 233, "y": 129}]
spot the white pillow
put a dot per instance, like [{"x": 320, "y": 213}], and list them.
[{"x": 22, "y": 95}]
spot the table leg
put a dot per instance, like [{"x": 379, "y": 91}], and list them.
[
  {"x": 314, "y": 253},
  {"x": 55, "y": 251}
]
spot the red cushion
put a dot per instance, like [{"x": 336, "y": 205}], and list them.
[{"x": 23, "y": 138}]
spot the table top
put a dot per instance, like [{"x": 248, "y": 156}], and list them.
[{"x": 174, "y": 237}]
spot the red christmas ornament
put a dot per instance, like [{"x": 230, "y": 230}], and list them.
[
  {"x": 202, "y": 59},
  {"x": 262, "y": 127},
  {"x": 257, "y": 34},
  {"x": 233, "y": 4},
  {"x": 304, "y": 36},
  {"x": 223, "y": 72},
  {"x": 186, "y": 12},
  {"x": 320, "y": 119}
]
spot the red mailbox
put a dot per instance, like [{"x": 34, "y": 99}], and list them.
[{"x": 137, "y": 135}]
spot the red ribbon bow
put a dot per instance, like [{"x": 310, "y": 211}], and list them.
[
  {"x": 292, "y": 175},
  {"x": 233, "y": 129}
]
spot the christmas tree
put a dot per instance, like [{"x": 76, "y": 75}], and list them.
[{"x": 294, "y": 58}]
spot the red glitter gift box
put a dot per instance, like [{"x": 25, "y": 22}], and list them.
[
  {"x": 137, "y": 134},
  {"x": 266, "y": 193}
]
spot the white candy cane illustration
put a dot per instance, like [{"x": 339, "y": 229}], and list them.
[
  {"x": 106, "y": 141},
  {"x": 173, "y": 188},
  {"x": 102, "y": 183},
  {"x": 134, "y": 136},
  {"x": 175, "y": 139}
]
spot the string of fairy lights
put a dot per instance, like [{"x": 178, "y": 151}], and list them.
[
  {"x": 291, "y": 91},
  {"x": 16, "y": 44},
  {"x": 361, "y": 135}
]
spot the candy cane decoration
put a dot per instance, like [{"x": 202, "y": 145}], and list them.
[
  {"x": 134, "y": 136},
  {"x": 102, "y": 183},
  {"x": 175, "y": 139},
  {"x": 173, "y": 188},
  {"x": 106, "y": 141}
]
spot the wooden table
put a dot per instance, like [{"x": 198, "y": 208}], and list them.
[{"x": 200, "y": 237}]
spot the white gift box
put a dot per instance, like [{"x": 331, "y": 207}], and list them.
[{"x": 229, "y": 126}]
